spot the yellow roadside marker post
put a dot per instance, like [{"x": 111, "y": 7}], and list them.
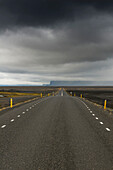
[
  {"x": 74, "y": 94},
  {"x": 41, "y": 95},
  {"x": 105, "y": 103},
  {"x": 81, "y": 96},
  {"x": 48, "y": 94},
  {"x": 11, "y": 102}
]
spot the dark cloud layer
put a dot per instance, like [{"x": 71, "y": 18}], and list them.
[
  {"x": 48, "y": 12},
  {"x": 44, "y": 40}
]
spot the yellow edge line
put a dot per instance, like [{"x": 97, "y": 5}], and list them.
[{"x": 19, "y": 103}]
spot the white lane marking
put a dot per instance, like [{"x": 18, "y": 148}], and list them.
[
  {"x": 89, "y": 109},
  {"x": 62, "y": 94},
  {"x": 3, "y": 126},
  {"x": 108, "y": 129},
  {"x": 30, "y": 108},
  {"x": 101, "y": 123},
  {"x": 12, "y": 120},
  {"x": 23, "y": 112}
]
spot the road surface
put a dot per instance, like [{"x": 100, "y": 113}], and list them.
[{"x": 56, "y": 133}]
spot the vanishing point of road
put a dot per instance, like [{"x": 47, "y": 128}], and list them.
[{"x": 56, "y": 133}]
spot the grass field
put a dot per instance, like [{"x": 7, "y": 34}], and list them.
[
  {"x": 94, "y": 94},
  {"x": 21, "y": 94}
]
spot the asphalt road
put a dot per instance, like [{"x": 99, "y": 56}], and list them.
[{"x": 56, "y": 133}]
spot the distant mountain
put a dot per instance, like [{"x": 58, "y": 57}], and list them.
[{"x": 80, "y": 83}]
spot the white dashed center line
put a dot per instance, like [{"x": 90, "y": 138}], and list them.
[
  {"x": 3, "y": 126},
  {"x": 101, "y": 123},
  {"x": 108, "y": 129},
  {"x": 12, "y": 120}
]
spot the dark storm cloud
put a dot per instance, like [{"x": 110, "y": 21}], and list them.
[
  {"x": 44, "y": 40},
  {"x": 48, "y": 12}
]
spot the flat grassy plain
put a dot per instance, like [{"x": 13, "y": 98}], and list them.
[
  {"x": 22, "y": 93},
  {"x": 94, "y": 94}
]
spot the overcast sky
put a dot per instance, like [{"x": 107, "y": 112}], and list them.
[{"x": 44, "y": 40}]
